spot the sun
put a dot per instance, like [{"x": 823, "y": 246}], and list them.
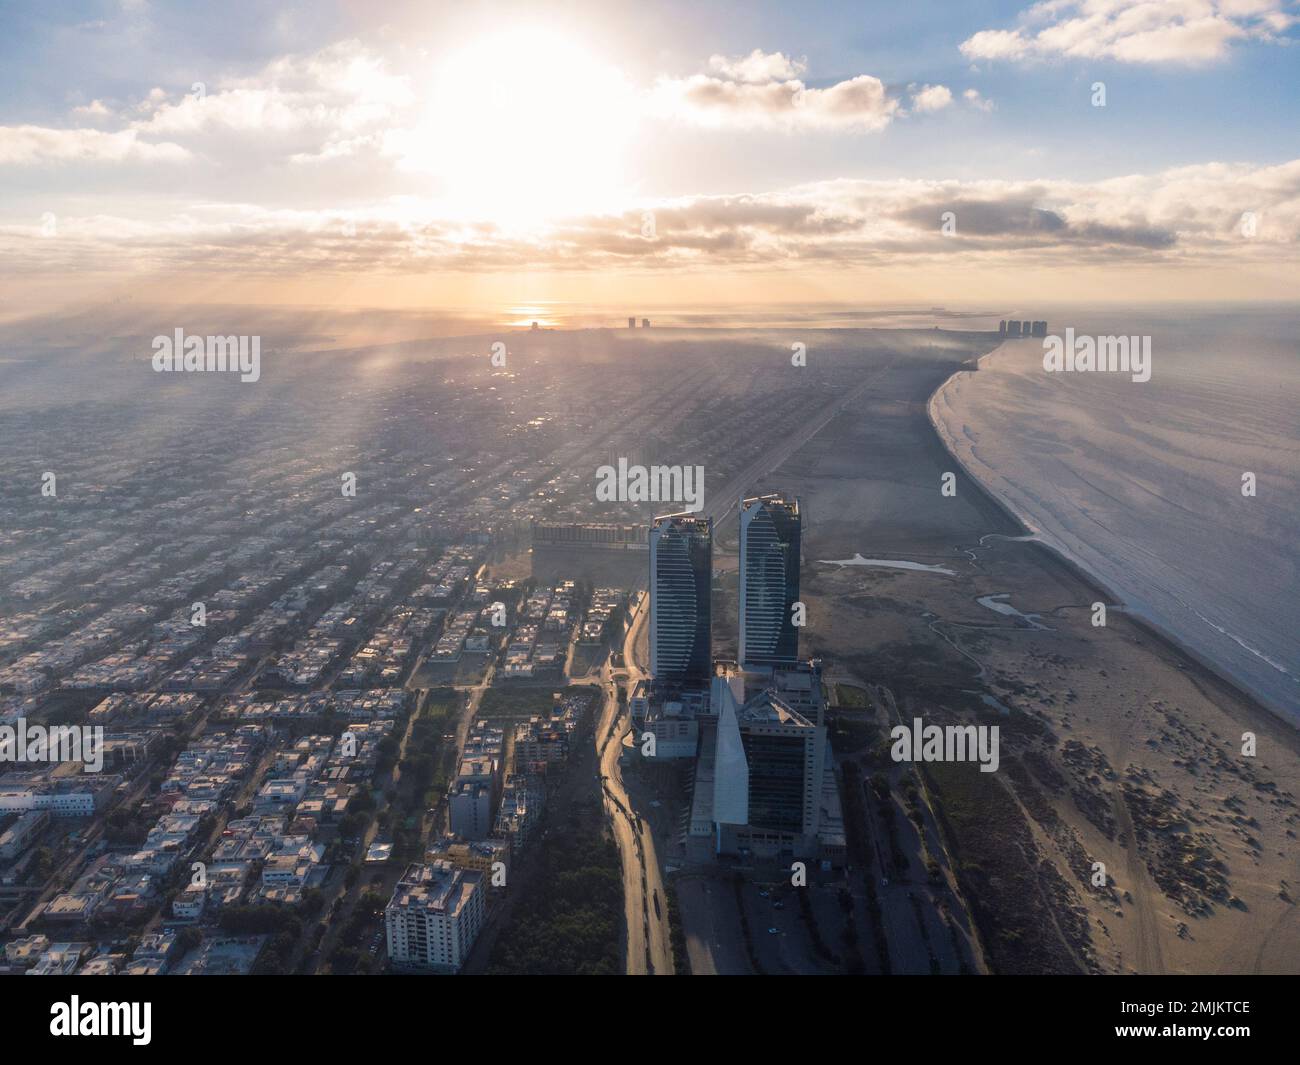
[{"x": 524, "y": 126}]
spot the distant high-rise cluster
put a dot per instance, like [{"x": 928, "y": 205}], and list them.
[{"x": 1022, "y": 329}]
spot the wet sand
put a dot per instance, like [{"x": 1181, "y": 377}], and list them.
[{"x": 1140, "y": 484}]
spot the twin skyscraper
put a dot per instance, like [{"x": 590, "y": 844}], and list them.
[
  {"x": 764, "y": 785},
  {"x": 681, "y": 575}
]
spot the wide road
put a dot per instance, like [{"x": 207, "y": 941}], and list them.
[{"x": 649, "y": 949}]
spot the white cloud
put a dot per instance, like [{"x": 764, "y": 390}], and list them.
[
  {"x": 1189, "y": 216},
  {"x": 22, "y": 145},
  {"x": 860, "y": 103},
  {"x": 95, "y": 109},
  {"x": 327, "y": 105},
  {"x": 996, "y": 44},
  {"x": 979, "y": 102},
  {"x": 758, "y": 67},
  {"x": 761, "y": 91},
  {"x": 1132, "y": 31},
  {"x": 338, "y": 92},
  {"x": 766, "y": 90},
  {"x": 931, "y": 98}
]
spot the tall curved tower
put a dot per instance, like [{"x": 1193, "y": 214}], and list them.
[
  {"x": 769, "y": 581},
  {"x": 681, "y": 572}
]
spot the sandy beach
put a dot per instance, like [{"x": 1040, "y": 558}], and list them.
[
  {"x": 1140, "y": 486},
  {"x": 1119, "y": 747}
]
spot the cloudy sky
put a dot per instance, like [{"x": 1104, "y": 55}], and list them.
[{"x": 421, "y": 154}]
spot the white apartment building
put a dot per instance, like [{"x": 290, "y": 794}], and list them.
[
  {"x": 79, "y": 802},
  {"x": 435, "y": 914}
]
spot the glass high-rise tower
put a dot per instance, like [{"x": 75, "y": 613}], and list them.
[
  {"x": 681, "y": 572},
  {"x": 769, "y": 581}
]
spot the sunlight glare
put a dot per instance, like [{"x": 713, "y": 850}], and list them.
[{"x": 524, "y": 126}]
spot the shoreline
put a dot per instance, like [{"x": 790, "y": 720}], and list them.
[{"x": 1205, "y": 669}]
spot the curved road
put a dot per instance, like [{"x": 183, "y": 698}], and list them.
[{"x": 648, "y": 942}]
